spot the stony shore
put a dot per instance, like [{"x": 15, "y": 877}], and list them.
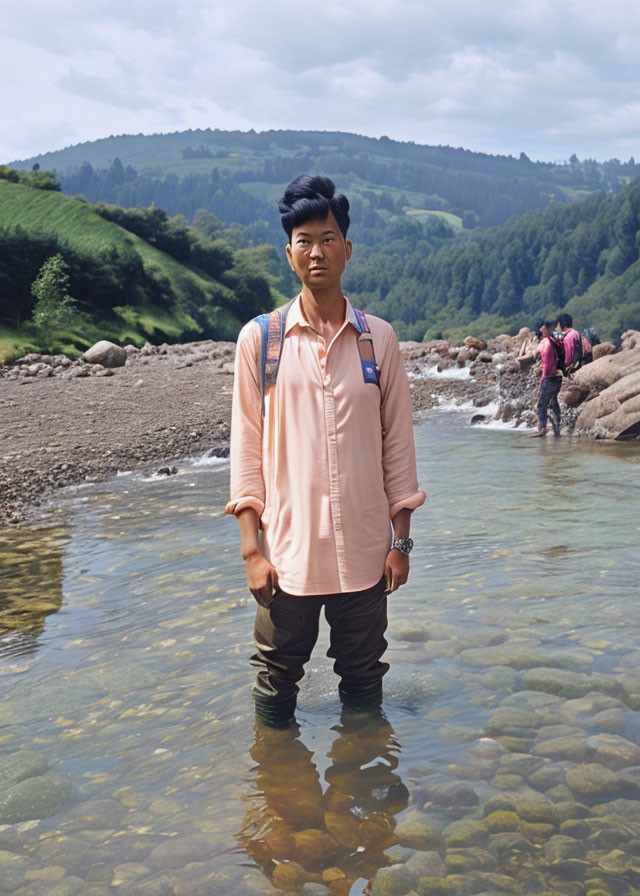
[{"x": 63, "y": 422}]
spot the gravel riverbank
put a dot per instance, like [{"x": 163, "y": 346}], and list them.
[{"x": 166, "y": 403}]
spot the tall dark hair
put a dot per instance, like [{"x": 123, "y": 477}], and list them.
[
  {"x": 565, "y": 320},
  {"x": 311, "y": 198}
]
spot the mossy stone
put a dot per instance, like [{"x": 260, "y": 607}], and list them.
[
  {"x": 499, "y": 803},
  {"x": 38, "y": 797},
  {"x": 416, "y": 832},
  {"x": 592, "y": 779},
  {"x": 291, "y": 876},
  {"x": 393, "y": 881},
  {"x": 508, "y": 782},
  {"x": 538, "y": 811},
  {"x": 434, "y": 886},
  {"x": 16, "y": 767},
  {"x": 560, "y": 847},
  {"x": 500, "y": 821},
  {"x": 465, "y": 833}
]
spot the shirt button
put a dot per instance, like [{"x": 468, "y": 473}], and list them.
[{"x": 326, "y": 379}]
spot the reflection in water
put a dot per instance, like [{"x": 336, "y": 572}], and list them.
[
  {"x": 298, "y": 832},
  {"x": 30, "y": 585}
]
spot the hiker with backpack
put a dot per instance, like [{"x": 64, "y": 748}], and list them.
[
  {"x": 551, "y": 353},
  {"x": 322, "y": 467},
  {"x": 572, "y": 341}
]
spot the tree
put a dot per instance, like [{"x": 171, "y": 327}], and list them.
[{"x": 54, "y": 306}]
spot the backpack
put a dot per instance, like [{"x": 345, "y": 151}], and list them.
[
  {"x": 272, "y": 328},
  {"x": 557, "y": 344}
]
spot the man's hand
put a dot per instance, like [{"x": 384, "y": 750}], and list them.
[
  {"x": 396, "y": 570},
  {"x": 262, "y": 578}
]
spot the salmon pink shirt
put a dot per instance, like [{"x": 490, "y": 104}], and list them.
[{"x": 331, "y": 461}]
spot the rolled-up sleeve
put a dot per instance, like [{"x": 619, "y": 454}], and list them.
[
  {"x": 398, "y": 448},
  {"x": 247, "y": 480}
]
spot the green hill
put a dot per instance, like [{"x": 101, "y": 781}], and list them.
[
  {"x": 127, "y": 287},
  {"x": 581, "y": 256},
  {"x": 239, "y": 175}
]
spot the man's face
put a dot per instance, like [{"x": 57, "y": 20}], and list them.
[{"x": 318, "y": 253}]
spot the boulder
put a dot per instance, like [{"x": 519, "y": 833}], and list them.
[
  {"x": 474, "y": 342},
  {"x": 501, "y": 343},
  {"x": 106, "y": 353},
  {"x": 572, "y": 394},
  {"x": 437, "y": 347},
  {"x": 525, "y": 341},
  {"x": 602, "y": 349},
  {"x": 601, "y": 374},
  {"x": 630, "y": 339},
  {"x": 615, "y": 412},
  {"x": 467, "y": 353}
]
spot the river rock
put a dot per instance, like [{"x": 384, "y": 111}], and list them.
[
  {"x": 15, "y": 767},
  {"x": 615, "y": 412},
  {"x": 96, "y": 814},
  {"x": 466, "y": 354},
  {"x": 106, "y": 353},
  {"x": 474, "y": 342},
  {"x": 393, "y": 881},
  {"x": 591, "y": 779},
  {"x": 452, "y": 795},
  {"x": 561, "y": 847},
  {"x": 601, "y": 374},
  {"x": 417, "y": 831},
  {"x": 537, "y": 810},
  {"x": 630, "y": 339},
  {"x": 559, "y": 748},
  {"x": 560, "y": 682},
  {"x": 35, "y": 797},
  {"x": 602, "y": 349},
  {"x": 612, "y": 750},
  {"x": 425, "y": 864},
  {"x": 437, "y": 346},
  {"x": 572, "y": 394},
  {"x": 467, "y": 832},
  {"x": 180, "y": 851}
]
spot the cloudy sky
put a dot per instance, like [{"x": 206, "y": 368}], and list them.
[{"x": 547, "y": 77}]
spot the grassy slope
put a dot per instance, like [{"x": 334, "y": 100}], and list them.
[
  {"x": 79, "y": 225},
  {"x": 82, "y": 227}
]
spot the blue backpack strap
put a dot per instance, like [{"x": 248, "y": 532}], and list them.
[
  {"x": 272, "y": 328},
  {"x": 366, "y": 350}
]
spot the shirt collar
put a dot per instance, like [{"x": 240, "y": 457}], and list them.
[{"x": 295, "y": 315}]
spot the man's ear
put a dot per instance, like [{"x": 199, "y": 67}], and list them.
[
  {"x": 348, "y": 249},
  {"x": 288, "y": 251}
]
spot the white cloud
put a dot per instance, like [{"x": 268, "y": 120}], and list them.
[{"x": 550, "y": 78}]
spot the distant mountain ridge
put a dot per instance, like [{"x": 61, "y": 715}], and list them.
[
  {"x": 446, "y": 240},
  {"x": 400, "y": 177}
]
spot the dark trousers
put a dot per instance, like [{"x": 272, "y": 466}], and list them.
[
  {"x": 285, "y": 634},
  {"x": 548, "y": 399}
]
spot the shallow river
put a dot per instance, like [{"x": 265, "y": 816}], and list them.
[{"x": 509, "y": 758}]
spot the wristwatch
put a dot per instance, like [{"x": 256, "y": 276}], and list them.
[{"x": 404, "y": 545}]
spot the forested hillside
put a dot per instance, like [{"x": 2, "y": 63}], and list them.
[
  {"x": 238, "y": 176},
  {"x": 580, "y": 256},
  {"x": 132, "y": 274},
  {"x": 425, "y": 255}
]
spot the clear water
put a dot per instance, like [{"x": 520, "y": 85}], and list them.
[{"x": 125, "y": 629}]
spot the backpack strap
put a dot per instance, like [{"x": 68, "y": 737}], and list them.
[
  {"x": 366, "y": 350},
  {"x": 272, "y": 328}
]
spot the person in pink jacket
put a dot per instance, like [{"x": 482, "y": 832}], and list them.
[
  {"x": 322, "y": 468},
  {"x": 571, "y": 338}
]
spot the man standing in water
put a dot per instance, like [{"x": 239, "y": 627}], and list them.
[
  {"x": 550, "y": 380},
  {"x": 322, "y": 459}
]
